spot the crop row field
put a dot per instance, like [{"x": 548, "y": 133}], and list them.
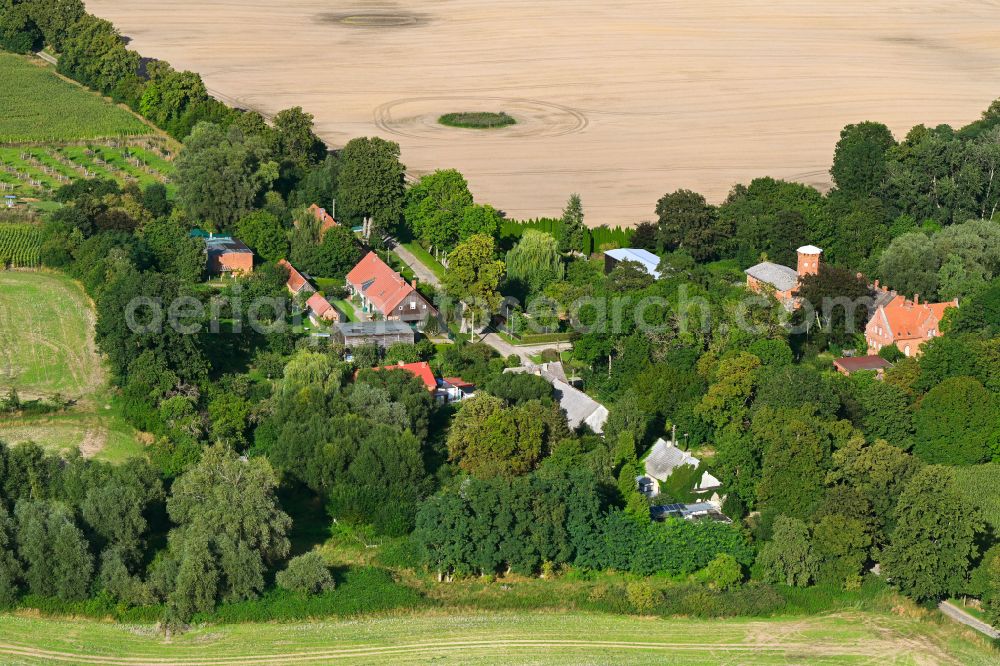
[
  {"x": 19, "y": 246},
  {"x": 37, "y": 171},
  {"x": 40, "y": 106}
]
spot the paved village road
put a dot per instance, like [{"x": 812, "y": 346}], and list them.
[
  {"x": 959, "y": 615},
  {"x": 423, "y": 273}
]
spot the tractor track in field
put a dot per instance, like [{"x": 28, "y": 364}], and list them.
[{"x": 874, "y": 649}]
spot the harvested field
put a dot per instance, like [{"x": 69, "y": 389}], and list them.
[
  {"x": 620, "y": 102},
  {"x": 512, "y": 638}
]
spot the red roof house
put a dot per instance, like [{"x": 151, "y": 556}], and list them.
[
  {"x": 906, "y": 324},
  {"x": 421, "y": 371},
  {"x": 325, "y": 220},
  {"x": 384, "y": 291},
  {"x": 297, "y": 282},
  {"x": 320, "y": 307}
]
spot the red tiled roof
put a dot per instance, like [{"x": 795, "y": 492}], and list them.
[
  {"x": 907, "y": 319},
  {"x": 319, "y": 305},
  {"x": 421, "y": 371},
  {"x": 381, "y": 285},
  {"x": 296, "y": 281},
  {"x": 851, "y": 364},
  {"x": 325, "y": 219},
  {"x": 458, "y": 382}
]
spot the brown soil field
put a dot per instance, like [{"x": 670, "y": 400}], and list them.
[{"x": 619, "y": 101}]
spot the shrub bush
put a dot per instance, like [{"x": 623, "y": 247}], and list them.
[{"x": 306, "y": 574}]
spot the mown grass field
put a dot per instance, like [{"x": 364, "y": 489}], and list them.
[
  {"x": 510, "y": 638},
  {"x": 38, "y": 105},
  {"x": 47, "y": 347},
  {"x": 47, "y": 336}
]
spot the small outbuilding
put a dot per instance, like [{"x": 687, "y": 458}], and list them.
[
  {"x": 649, "y": 261},
  {"x": 848, "y": 365},
  {"x": 382, "y": 333}
]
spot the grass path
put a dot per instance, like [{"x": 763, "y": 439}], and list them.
[{"x": 480, "y": 638}]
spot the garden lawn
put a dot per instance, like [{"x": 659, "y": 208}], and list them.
[
  {"x": 490, "y": 638},
  {"x": 36, "y": 104}
]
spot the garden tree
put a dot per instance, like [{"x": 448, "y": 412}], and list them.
[
  {"x": 841, "y": 546},
  {"x": 688, "y": 222},
  {"x": 891, "y": 353},
  {"x": 934, "y": 540},
  {"x": 332, "y": 257},
  {"x": 574, "y": 232},
  {"x": 182, "y": 354},
  {"x": 229, "y": 525},
  {"x": 840, "y": 298},
  {"x": 534, "y": 262},
  {"x": 885, "y": 410},
  {"x": 10, "y": 568},
  {"x": 728, "y": 398},
  {"x": 154, "y": 199},
  {"x": 669, "y": 391},
  {"x": 489, "y": 439},
  {"x": 772, "y": 353},
  {"x": 479, "y": 219},
  {"x": 957, "y": 423},
  {"x": 174, "y": 249},
  {"x": 722, "y": 573},
  {"x": 628, "y": 415},
  {"x": 980, "y": 313},
  {"x": 219, "y": 176},
  {"x": 435, "y": 206},
  {"x": 628, "y": 276},
  {"x": 645, "y": 236},
  {"x": 788, "y": 557},
  {"x": 772, "y": 218},
  {"x": 518, "y": 388},
  {"x": 264, "y": 233},
  {"x": 910, "y": 265},
  {"x": 674, "y": 547},
  {"x": 944, "y": 357},
  {"x": 796, "y": 456},
  {"x": 318, "y": 184},
  {"x": 474, "y": 274},
  {"x": 228, "y": 416},
  {"x": 368, "y": 472},
  {"x": 502, "y": 525},
  {"x": 860, "y": 165},
  {"x": 370, "y": 182},
  {"x": 793, "y": 387},
  {"x": 402, "y": 387},
  {"x": 306, "y": 574},
  {"x": 298, "y": 145}
]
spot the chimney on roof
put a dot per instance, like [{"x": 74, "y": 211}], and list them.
[
  {"x": 400, "y": 363},
  {"x": 916, "y": 299},
  {"x": 876, "y": 284},
  {"x": 413, "y": 283}
]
